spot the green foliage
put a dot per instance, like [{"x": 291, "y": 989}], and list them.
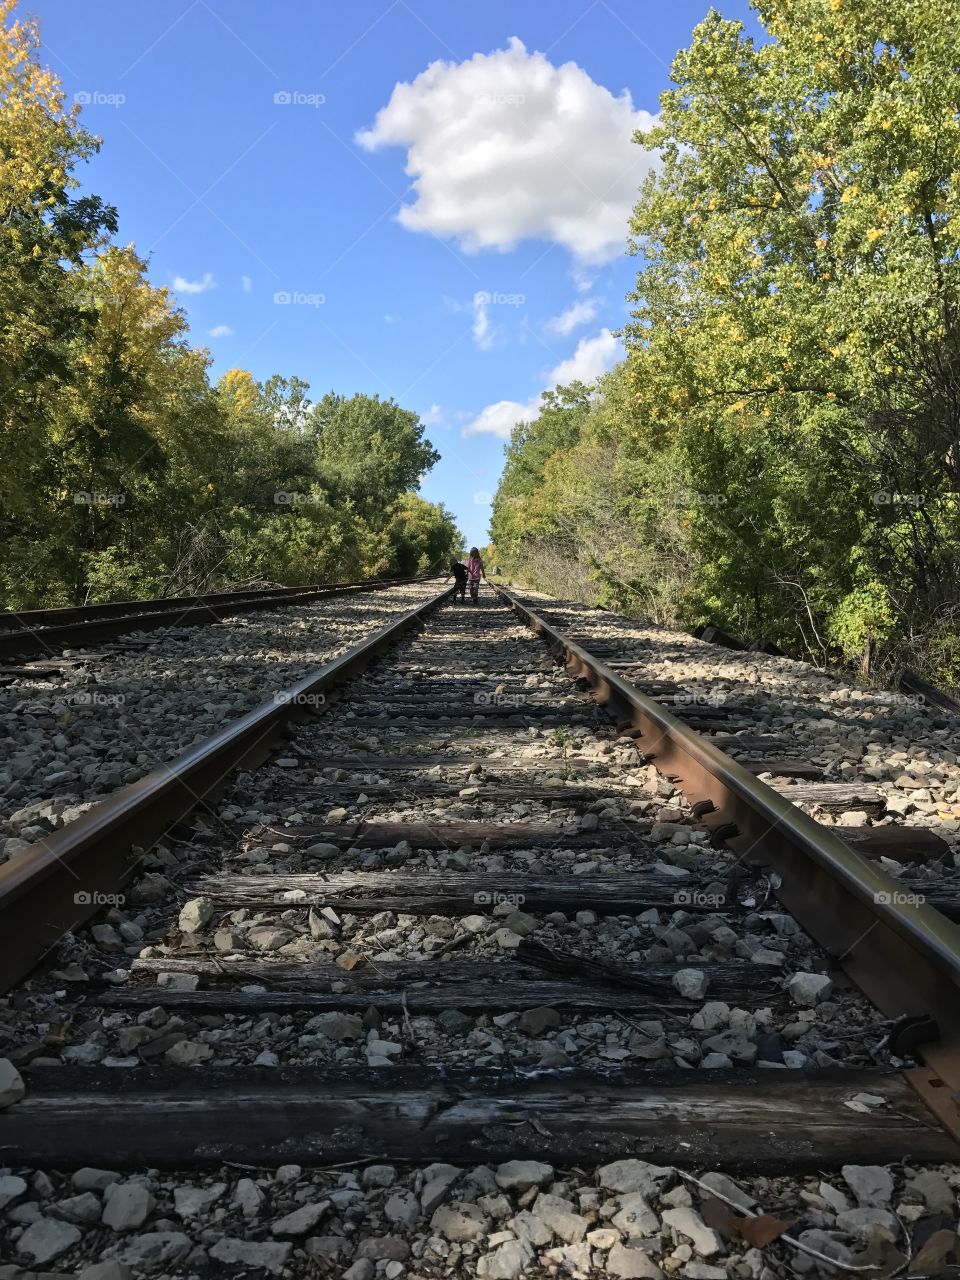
[
  {"x": 123, "y": 472},
  {"x": 783, "y": 445}
]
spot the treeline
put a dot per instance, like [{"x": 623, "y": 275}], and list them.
[
  {"x": 780, "y": 450},
  {"x": 123, "y": 470}
]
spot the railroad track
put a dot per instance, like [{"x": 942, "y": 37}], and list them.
[
  {"x": 470, "y": 896},
  {"x": 47, "y": 631}
]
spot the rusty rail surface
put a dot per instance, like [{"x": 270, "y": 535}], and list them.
[
  {"x": 904, "y": 956},
  {"x": 51, "y": 887},
  {"x": 48, "y": 630}
]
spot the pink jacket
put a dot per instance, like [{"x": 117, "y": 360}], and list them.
[{"x": 474, "y": 568}]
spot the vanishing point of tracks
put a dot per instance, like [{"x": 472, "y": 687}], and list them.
[{"x": 441, "y": 852}]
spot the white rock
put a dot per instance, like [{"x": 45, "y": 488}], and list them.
[
  {"x": 270, "y": 1255},
  {"x": 688, "y": 1222},
  {"x": 12, "y": 1087},
  {"x": 126, "y": 1205},
  {"x": 248, "y": 1198},
  {"x": 520, "y": 1175},
  {"x": 11, "y": 1188},
  {"x": 301, "y": 1220},
  {"x": 506, "y": 1262},
  {"x": 692, "y": 984},
  {"x": 808, "y": 989},
  {"x": 634, "y": 1175},
  {"x": 872, "y": 1184},
  {"x": 46, "y": 1239},
  {"x": 193, "y": 1202},
  {"x": 459, "y": 1222},
  {"x": 196, "y": 914}
]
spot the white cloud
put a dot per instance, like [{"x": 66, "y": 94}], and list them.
[
  {"x": 507, "y": 147},
  {"x": 220, "y": 331},
  {"x": 481, "y": 322},
  {"x": 389, "y": 319},
  {"x": 574, "y": 316},
  {"x": 246, "y": 284},
  {"x": 592, "y": 357},
  {"x": 182, "y": 285}
]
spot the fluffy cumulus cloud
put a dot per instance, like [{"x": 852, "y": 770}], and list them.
[
  {"x": 592, "y": 357},
  {"x": 574, "y": 316},
  {"x": 221, "y": 331},
  {"x": 506, "y": 147},
  {"x": 183, "y": 285}
]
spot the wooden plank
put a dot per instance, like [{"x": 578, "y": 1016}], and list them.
[
  {"x": 574, "y": 795},
  {"x": 450, "y": 835},
  {"x": 466, "y": 711},
  {"x": 904, "y": 844},
  {"x": 456, "y": 892},
  {"x": 756, "y": 1120},
  {"x": 790, "y": 768},
  {"x": 835, "y": 797},
  {"x": 425, "y": 987},
  {"x": 911, "y": 683},
  {"x": 360, "y": 763}
]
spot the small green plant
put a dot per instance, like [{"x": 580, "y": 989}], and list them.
[{"x": 561, "y": 739}]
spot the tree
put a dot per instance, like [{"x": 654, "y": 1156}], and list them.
[
  {"x": 369, "y": 450},
  {"x": 44, "y": 233}
]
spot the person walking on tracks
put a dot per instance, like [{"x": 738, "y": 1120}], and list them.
[
  {"x": 475, "y": 572},
  {"x": 459, "y": 571}
]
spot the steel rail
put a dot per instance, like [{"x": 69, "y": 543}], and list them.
[
  {"x": 54, "y": 885},
  {"x": 104, "y": 622},
  {"x": 24, "y": 619},
  {"x": 904, "y": 956}
]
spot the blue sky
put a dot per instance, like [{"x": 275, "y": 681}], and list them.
[{"x": 322, "y": 204}]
